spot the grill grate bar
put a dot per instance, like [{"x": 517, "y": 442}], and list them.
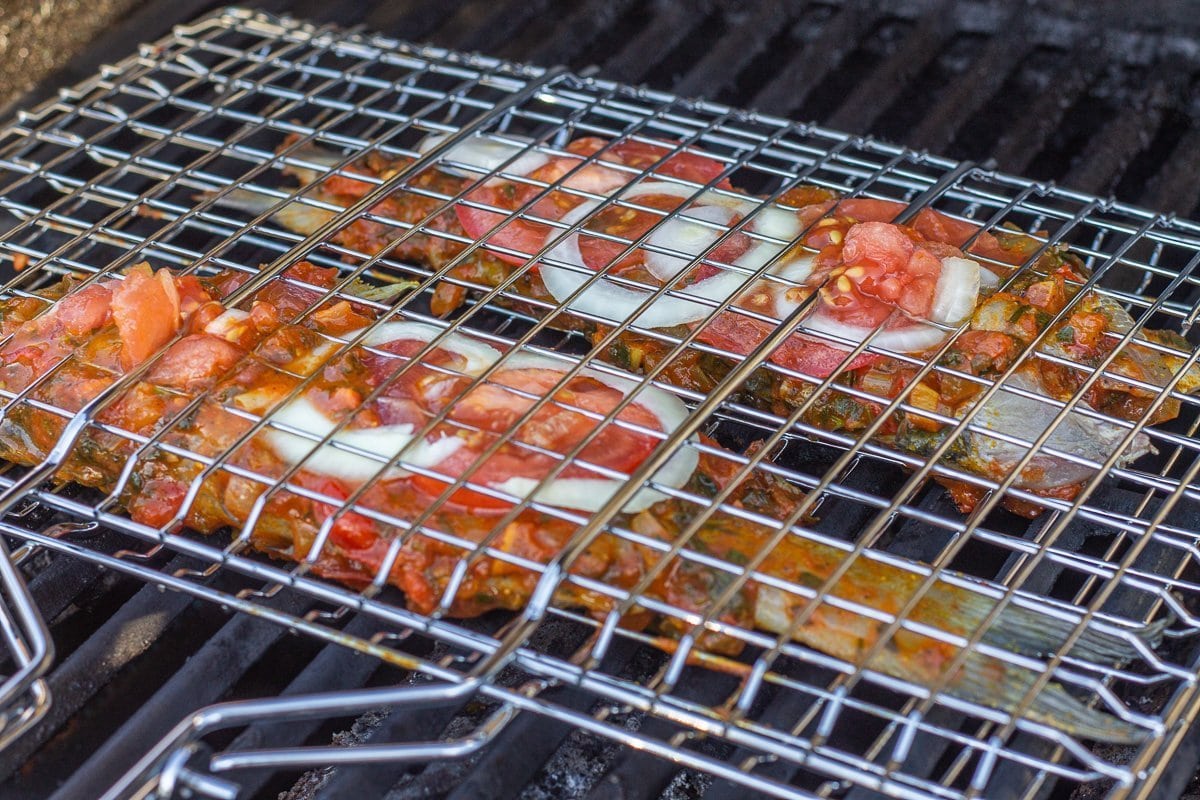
[
  {"x": 61, "y": 583},
  {"x": 418, "y": 21},
  {"x": 635, "y": 775},
  {"x": 970, "y": 90},
  {"x": 872, "y": 96},
  {"x": 824, "y": 47},
  {"x": 511, "y": 763},
  {"x": 1176, "y": 187},
  {"x": 1108, "y": 153},
  {"x": 745, "y": 32},
  {"x": 334, "y": 668},
  {"x": 203, "y": 679},
  {"x": 1021, "y": 143},
  {"x": 669, "y": 25},
  {"x": 564, "y": 40},
  {"x": 491, "y": 30},
  {"x": 397, "y": 726},
  {"x": 86, "y": 671}
]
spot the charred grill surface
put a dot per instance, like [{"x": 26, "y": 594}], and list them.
[{"x": 1099, "y": 100}]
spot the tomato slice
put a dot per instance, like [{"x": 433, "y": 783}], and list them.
[
  {"x": 630, "y": 224},
  {"x": 933, "y": 225},
  {"x": 801, "y": 353},
  {"x": 350, "y": 531},
  {"x": 684, "y": 165},
  {"x": 492, "y": 410},
  {"x": 525, "y": 236}
]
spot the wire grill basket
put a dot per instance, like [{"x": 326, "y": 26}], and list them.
[{"x": 142, "y": 163}]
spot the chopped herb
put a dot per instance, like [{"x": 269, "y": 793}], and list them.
[
  {"x": 1066, "y": 334},
  {"x": 379, "y": 294},
  {"x": 736, "y": 557}
]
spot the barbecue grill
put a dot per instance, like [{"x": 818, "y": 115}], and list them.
[{"x": 133, "y": 164}]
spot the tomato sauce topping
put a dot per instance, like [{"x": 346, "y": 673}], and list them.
[
  {"x": 526, "y": 236},
  {"x": 491, "y": 410}
]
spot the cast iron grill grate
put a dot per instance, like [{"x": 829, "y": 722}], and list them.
[{"x": 109, "y": 175}]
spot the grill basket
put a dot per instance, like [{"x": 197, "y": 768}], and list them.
[{"x": 135, "y": 164}]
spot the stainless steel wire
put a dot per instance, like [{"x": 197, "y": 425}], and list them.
[{"x": 140, "y": 163}]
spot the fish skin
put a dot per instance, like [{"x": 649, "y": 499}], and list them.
[
  {"x": 1012, "y": 414},
  {"x": 957, "y": 610}
]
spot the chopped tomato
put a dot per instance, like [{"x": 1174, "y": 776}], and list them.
[
  {"x": 158, "y": 502},
  {"x": 289, "y": 298},
  {"x": 1049, "y": 295},
  {"x": 933, "y": 225},
  {"x": 351, "y": 530},
  {"x": 191, "y": 293},
  {"x": 525, "y": 236},
  {"x": 883, "y": 270},
  {"x": 145, "y": 315},
  {"x": 85, "y": 310},
  {"x": 194, "y": 361}
]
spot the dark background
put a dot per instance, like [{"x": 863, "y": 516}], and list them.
[{"x": 1100, "y": 97}]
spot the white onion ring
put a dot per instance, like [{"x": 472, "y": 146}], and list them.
[
  {"x": 377, "y": 444},
  {"x": 483, "y": 154},
  {"x": 226, "y": 323},
  {"x": 679, "y": 234},
  {"x": 590, "y": 494},
  {"x": 371, "y": 447},
  {"x": 358, "y": 454},
  {"x": 607, "y": 300},
  {"x": 479, "y": 355},
  {"x": 988, "y": 280},
  {"x": 795, "y": 271}
]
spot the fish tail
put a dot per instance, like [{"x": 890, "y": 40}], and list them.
[
  {"x": 982, "y": 679},
  {"x": 1033, "y": 633},
  {"x": 1052, "y": 705}
]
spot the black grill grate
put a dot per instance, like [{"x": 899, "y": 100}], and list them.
[{"x": 1098, "y": 103}]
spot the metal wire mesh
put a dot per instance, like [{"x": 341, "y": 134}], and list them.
[
  {"x": 143, "y": 161},
  {"x": 26, "y": 653}
]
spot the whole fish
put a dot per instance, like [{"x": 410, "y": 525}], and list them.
[
  {"x": 391, "y": 459},
  {"x": 901, "y": 287}
]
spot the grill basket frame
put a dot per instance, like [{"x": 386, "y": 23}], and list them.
[{"x": 91, "y": 225}]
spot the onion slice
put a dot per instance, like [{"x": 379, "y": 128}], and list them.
[
  {"x": 957, "y": 291},
  {"x": 357, "y": 455},
  {"x": 590, "y": 494},
  {"x": 482, "y": 153},
  {"x": 565, "y": 272}
]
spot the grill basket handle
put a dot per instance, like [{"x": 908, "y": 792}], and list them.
[{"x": 165, "y": 773}]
